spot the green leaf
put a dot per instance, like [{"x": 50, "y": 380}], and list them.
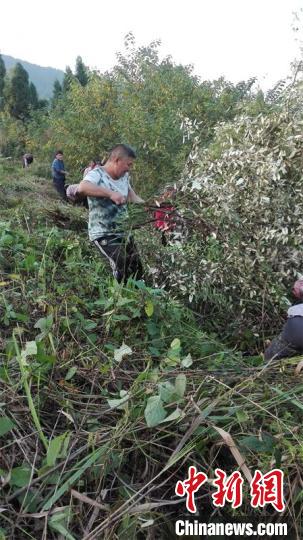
[
  {"x": 242, "y": 416},
  {"x": 124, "y": 350},
  {"x": 149, "y": 308},
  {"x": 173, "y": 353},
  {"x": 89, "y": 325},
  {"x": 173, "y": 416},
  {"x": 266, "y": 444},
  {"x": 6, "y": 425},
  {"x": 122, "y": 317},
  {"x": 154, "y": 411},
  {"x": 167, "y": 392},
  {"x": 30, "y": 349},
  {"x": 57, "y": 523},
  {"x": 175, "y": 344},
  {"x": 20, "y": 476},
  {"x": 120, "y": 404},
  {"x": 187, "y": 361},
  {"x": 180, "y": 384},
  {"x": 45, "y": 324},
  {"x": 55, "y": 448},
  {"x": 71, "y": 372}
]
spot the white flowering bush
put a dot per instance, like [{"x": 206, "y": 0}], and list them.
[{"x": 242, "y": 204}]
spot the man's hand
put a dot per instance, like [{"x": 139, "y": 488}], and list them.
[{"x": 117, "y": 198}]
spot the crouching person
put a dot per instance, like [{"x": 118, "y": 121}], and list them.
[
  {"x": 108, "y": 191},
  {"x": 290, "y": 341},
  {"x": 27, "y": 159},
  {"x": 73, "y": 195}
]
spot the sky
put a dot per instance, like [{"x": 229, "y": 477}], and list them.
[{"x": 237, "y": 39}]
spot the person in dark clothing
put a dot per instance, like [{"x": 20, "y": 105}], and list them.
[
  {"x": 290, "y": 341},
  {"x": 122, "y": 255},
  {"x": 27, "y": 159},
  {"x": 59, "y": 174}
]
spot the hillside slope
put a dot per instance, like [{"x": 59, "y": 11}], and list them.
[
  {"x": 42, "y": 77},
  {"x": 109, "y": 392}
]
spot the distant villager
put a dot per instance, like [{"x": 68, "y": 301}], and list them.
[
  {"x": 92, "y": 165},
  {"x": 290, "y": 341},
  {"x": 27, "y": 159},
  {"x": 59, "y": 174}
]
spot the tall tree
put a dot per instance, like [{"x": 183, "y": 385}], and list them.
[
  {"x": 81, "y": 72},
  {"x": 57, "y": 91},
  {"x": 17, "y": 93},
  {"x": 67, "y": 81},
  {"x": 2, "y": 75},
  {"x": 33, "y": 97}
]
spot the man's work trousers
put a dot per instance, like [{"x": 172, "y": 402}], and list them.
[{"x": 122, "y": 255}]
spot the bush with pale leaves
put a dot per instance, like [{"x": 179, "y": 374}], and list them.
[{"x": 242, "y": 200}]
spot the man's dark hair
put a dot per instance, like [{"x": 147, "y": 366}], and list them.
[
  {"x": 58, "y": 152},
  {"x": 122, "y": 151}
]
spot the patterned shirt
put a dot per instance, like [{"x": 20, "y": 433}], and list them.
[{"x": 104, "y": 214}]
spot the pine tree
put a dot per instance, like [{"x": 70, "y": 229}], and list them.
[
  {"x": 68, "y": 78},
  {"x": 57, "y": 91},
  {"x": 2, "y": 75},
  {"x": 81, "y": 72},
  {"x": 33, "y": 96},
  {"x": 17, "y": 93}
]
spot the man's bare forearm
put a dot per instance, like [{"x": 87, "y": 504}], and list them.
[
  {"x": 91, "y": 190},
  {"x": 134, "y": 198}
]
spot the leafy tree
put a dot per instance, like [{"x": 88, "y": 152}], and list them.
[
  {"x": 43, "y": 104},
  {"x": 17, "y": 93},
  {"x": 67, "y": 80},
  {"x": 81, "y": 72},
  {"x": 86, "y": 124},
  {"x": 157, "y": 106},
  {"x": 12, "y": 135}
]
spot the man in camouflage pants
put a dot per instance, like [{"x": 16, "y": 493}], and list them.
[{"x": 108, "y": 191}]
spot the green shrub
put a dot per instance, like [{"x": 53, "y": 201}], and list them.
[{"x": 242, "y": 205}]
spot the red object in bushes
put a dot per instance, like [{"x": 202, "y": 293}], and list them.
[{"x": 164, "y": 219}]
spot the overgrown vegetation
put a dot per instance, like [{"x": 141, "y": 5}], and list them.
[
  {"x": 240, "y": 201},
  {"x": 109, "y": 392}
]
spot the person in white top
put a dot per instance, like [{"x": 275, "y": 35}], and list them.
[
  {"x": 108, "y": 191},
  {"x": 92, "y": 164}
]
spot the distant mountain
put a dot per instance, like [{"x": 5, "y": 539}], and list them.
[{"x": 42, "y": 77}]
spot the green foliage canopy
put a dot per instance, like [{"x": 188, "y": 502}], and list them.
[{"x": 155, "y": 105}]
